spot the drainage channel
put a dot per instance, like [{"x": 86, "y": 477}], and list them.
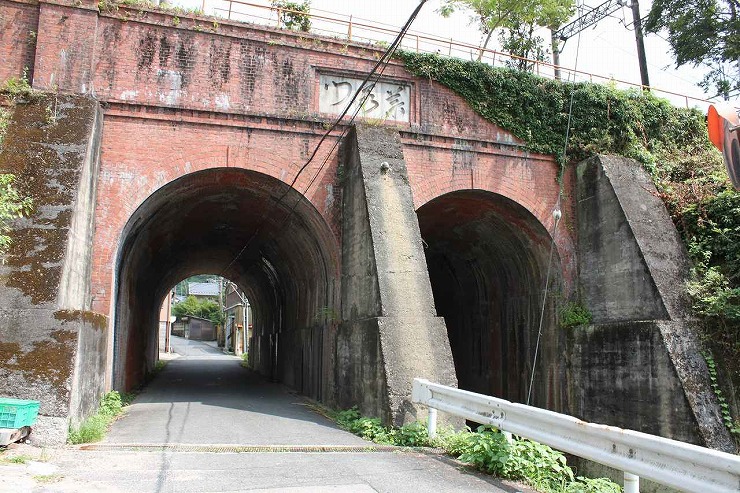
[{"x": 172, "y": 447}]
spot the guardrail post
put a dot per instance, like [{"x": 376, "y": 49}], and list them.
[
  {"x": 432, "y": 423},
  {"x": 631, "y": 483}
]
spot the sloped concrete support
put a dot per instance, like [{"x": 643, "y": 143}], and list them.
[
  {"x": 52, "y": 347},
  {"x": 633, "y": 269},
  {"x": 390, "y": 333}
]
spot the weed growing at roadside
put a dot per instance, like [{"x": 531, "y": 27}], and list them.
[
  {"x": 487, "y": 450},
  {"x": 48, "y": 478},
  {"x": 93, "y": 429},
  {"x": 17, "y": 459}
]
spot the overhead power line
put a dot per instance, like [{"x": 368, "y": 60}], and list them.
[{"x": 366, "y": 88}]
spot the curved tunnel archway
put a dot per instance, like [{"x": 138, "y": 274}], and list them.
[
  {"x": 228, "y": 221},
  {"x": 488, "y": 258}
]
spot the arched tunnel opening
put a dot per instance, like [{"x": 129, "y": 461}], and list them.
[
  {"x": 247, "y": 227},
  {"x": 208, "y": 308},
  {"x": 488, "y": 259}
]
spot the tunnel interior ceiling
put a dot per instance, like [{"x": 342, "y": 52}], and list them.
[
  {"x": 488, "y": 259},
  {"x": 199, "y": 224}
]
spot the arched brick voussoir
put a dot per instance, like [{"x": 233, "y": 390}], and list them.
[
  {"x": 535, "y": 192},
  {"x": 140, "y": 157}
]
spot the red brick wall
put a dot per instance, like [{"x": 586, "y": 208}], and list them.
[
  {"x": 186, "y": 94},
  {"x": 65, "y": 47},
  {"x": 18, "y": 34},
  {"x": 141, "y": 153}
]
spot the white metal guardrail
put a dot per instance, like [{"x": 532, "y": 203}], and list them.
[{"x": 672, "y": 463}]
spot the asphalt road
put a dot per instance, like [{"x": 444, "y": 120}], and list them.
[
  {"x": 190, "y": 431},
  {"x": 206, "y": 397}
]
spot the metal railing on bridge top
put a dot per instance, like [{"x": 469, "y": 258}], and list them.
[
  {"x": 362, "y": 30},
  {"x": 679, "y": 465}
]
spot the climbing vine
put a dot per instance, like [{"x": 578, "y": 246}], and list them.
[
  {"x": 670, "y": 142},
  {"x": 732, "y": 425}
]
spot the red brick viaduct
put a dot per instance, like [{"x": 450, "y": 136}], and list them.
[{"x": 419, "y": 246}]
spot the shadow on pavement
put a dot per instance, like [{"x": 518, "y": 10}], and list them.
[{"x": 207, "y": 397}]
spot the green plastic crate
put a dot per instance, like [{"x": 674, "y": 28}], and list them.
[{"x": 17, "y": 413}]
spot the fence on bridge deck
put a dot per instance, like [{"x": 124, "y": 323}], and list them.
[
  {"x": 680, "y": 465},
  {"x": 363, "y": 30}
]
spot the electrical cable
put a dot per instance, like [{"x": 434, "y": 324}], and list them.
[
  {"x": 382, "y": 61},
  {"x": 557, "y": 214}
]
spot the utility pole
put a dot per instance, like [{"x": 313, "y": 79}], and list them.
[
  {"x": 593, "y": 16},
  {"x": 168, "y": 324},
  {"x": 555, "y": 47},
  {"x": 640, "y": 45}
]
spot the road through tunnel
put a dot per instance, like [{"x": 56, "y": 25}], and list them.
[
  {"x": 231, "y": 222},
  {"x": 488, "y": 259}
]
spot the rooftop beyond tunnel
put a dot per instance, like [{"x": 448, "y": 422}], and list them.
[
  {"x": 488, "y": 260},
  {"x": 229, "y": 221}
]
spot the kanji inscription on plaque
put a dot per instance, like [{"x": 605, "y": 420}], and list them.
[{"x": 384, "y": 100}]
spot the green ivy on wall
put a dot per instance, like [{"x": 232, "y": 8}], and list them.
[{"x": 670, "y": 142}]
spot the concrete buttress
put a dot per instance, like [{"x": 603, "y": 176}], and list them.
[
  {"x": 52, "y": 347},
  {"x": 390, "y": 332},
  {"x": 633, "y": 271}
]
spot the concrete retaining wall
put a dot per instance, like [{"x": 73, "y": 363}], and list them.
[{"x": 53, "y": 347}]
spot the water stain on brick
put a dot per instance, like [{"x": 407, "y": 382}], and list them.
[
  {"x": 109, "y": 54},
  {"x": 251, "y": 62},
  {"x": 185, "y": 57},
  {"x": 451, "y": 115},
  {"x": 219, "y": 63},
  {"x": 147, "y": 49},
  {"x": 165, "y": 51},
  {"x": 287, "y": 94}
]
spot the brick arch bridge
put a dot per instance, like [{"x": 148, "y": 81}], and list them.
[{"x": 417, "y": 248}]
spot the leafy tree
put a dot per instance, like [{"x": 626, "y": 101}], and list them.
[
  {"x": 512, "y": 15},
  {"x": 520, "y": 40},
  {"x": 192, "y": 306},
  {"x": 294, "y": 15},
  {"x": 702, "y": 32}
]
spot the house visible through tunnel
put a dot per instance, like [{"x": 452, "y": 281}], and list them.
[
  {"x": 206, "y": 308},
  {"x": 278, "y": 257}
]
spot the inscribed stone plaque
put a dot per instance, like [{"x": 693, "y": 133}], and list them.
[{"x": 386, "y": 100}]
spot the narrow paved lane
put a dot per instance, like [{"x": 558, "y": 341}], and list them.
[
  {"x": 189, "y": 419},
  {"x": 206, "y": 397}
]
